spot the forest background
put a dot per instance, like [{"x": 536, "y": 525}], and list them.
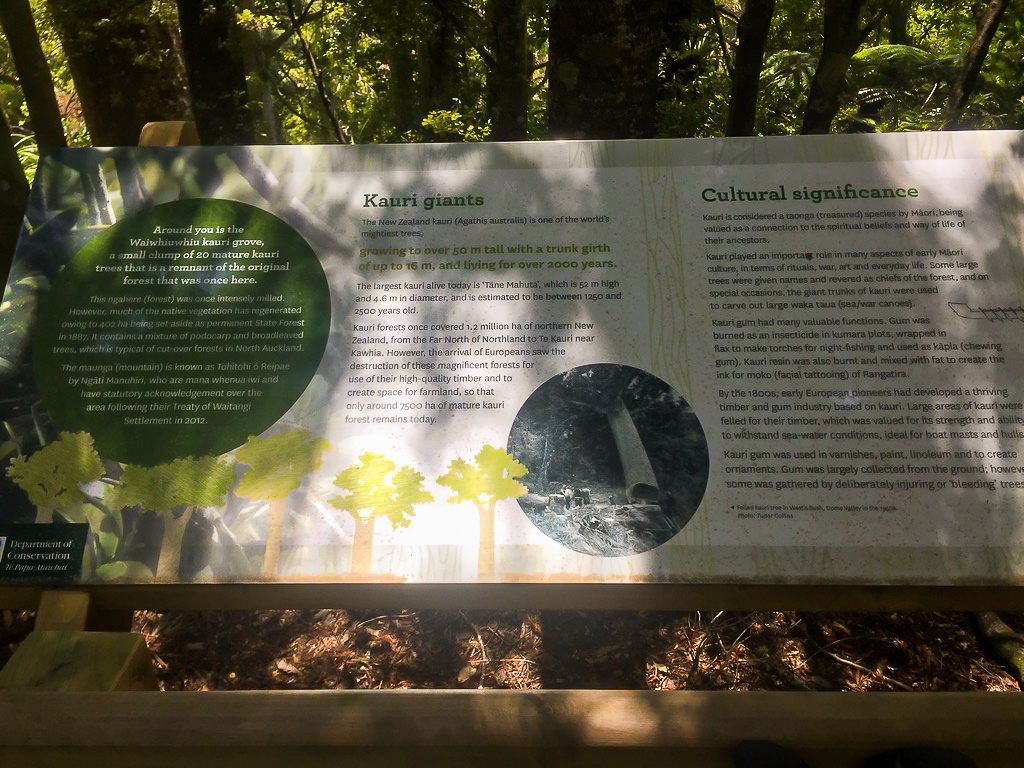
[{"x": 93, "y": 72}]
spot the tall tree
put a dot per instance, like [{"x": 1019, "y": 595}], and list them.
[
  {"x": 126, "y": 63},
  {"x": 752, "y": 32},
  {"x": 375, "y": 489},
  {"x": 988, "y": 23},
  {"x": 843, "y": 35},
  {"x": 33, "y": 72},
  {"x": 277, "y": 466},
  {"x": 897, "y": 21},
  {"x": 183, "y": 486},
  {"x": 603, "y": 67},
  {"x": 210, "y": 41},
  {"x": 499, "y": 38},
  {"x": 508, "y": 75},
  {"x": 13, "y": 196},
  {"x": 492, "y": 477},
  {"x": 438, "y": 54},
  {"x": 388, "y": 20}
]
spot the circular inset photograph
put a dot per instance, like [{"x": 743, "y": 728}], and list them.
[{"x": 617, "y": 459}]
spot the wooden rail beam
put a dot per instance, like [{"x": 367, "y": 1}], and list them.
[{"x": 491, "y": 727}]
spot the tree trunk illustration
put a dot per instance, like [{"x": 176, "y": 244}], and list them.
[
  {"x": 485, "y": 558},
  {"x": 170, "y": 547},
  {"x": 45, "y": 514},
  {"x": 276, "y": 516},
  {"x": 362, "y": 546}
]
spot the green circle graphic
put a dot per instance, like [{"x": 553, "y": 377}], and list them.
[{"x": 182, "y": 330}]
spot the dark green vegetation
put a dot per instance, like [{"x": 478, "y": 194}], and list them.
[
  {"x": 94, "y": 72},
  {"x": 301, "y": 71}
]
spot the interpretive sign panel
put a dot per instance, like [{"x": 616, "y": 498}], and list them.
[{"x": 790, "y": 360}]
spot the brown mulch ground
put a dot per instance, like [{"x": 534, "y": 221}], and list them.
[{"x": 563, "y": 649}]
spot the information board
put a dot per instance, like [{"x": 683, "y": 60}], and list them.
[{"x": 783, "y": 360}]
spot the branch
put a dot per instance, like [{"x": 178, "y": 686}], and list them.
[
  {"x": 721, "y": 39},
  {"x": 862, "y": 668},
  {"x": 975, "y": 58},
  {"x": 317, "y": 76},
  {"x": 479, "y": 47}
]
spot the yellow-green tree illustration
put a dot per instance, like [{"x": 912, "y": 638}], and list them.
[
  {"x": 186, "y": 484},
  {"x": 375, "y": 492},
  {"x": 491, "y": 479},
  {"x": 54, "y": 475},
  {"x": 277, "y": 465}
]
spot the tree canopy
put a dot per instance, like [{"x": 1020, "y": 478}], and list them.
[{"x": 368, "y": 71}]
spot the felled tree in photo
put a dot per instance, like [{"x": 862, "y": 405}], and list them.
[
  {"x": 492, "y": 478},
  {"x": 277, "y": 466},
  {"x": 377, "y": 490}
]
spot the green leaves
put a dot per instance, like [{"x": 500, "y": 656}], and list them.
[
  {"x": 491, "y": 479},
  {"x": 202, "y": 482},
  {"x": 52, "y": 476},
  {"x": 277, "y": 464},
  {"x": 375, "y": 492}
]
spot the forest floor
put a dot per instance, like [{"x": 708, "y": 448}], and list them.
[{"x": 561, "y": 649}]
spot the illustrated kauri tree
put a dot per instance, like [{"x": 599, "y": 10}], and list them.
[
  {"x": 54, "y": 478},
  {"x": 54, "y": 475},
  {"x": 492, "y": 478},
  {"x": 182, "y": 485},
  {"x": 377, "y": 490},
  {"x": 277, "y": 465}
]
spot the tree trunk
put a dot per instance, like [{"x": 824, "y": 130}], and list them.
[
  {"x": 259, "y": 90},
  {"x": 843, "y": 36},
  {"x": 277, "y": 516},
  {"x": 33, "y": 73},
  {"x": 508, "y": 80},
  {"x": 362, "y": 547},
  {"x": 1002, "y": 643},
  {"x": 437, "y": 79},
  {"x": 603, "y": 68},
  {"x": 897, "y": 22},
  {"x": 403, "y": 97},
  {"x": 988, "y": 23},
  {"x": 485, "y": 557},
  {"x": 13, "y": 196},
  {"x": 641, "y": 482},
  {"x": 170, "y": 545},
  {"x": 216, "y": 72},
  {"x": 752, "y": 31},
  {"x": 126, "y": 64}
]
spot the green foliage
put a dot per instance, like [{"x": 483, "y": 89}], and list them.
[
  {"x": 898, "y": 81},
  {"x": 54, "y": 475},
  {"x": 375, "y": 492},
  {"x": 187, "y": 482},
  {"x": 406, "y": 70},
  {"x": 492, "y": 478},
  {"x": 694, "y": 87},
  {"x": 278, "y": 464},
  {"x": 451, "y": 126}
]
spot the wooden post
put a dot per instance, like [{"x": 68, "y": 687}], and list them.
[
  {"x": 169, "y": 133},
  {"x": 60, "y": 655}
]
